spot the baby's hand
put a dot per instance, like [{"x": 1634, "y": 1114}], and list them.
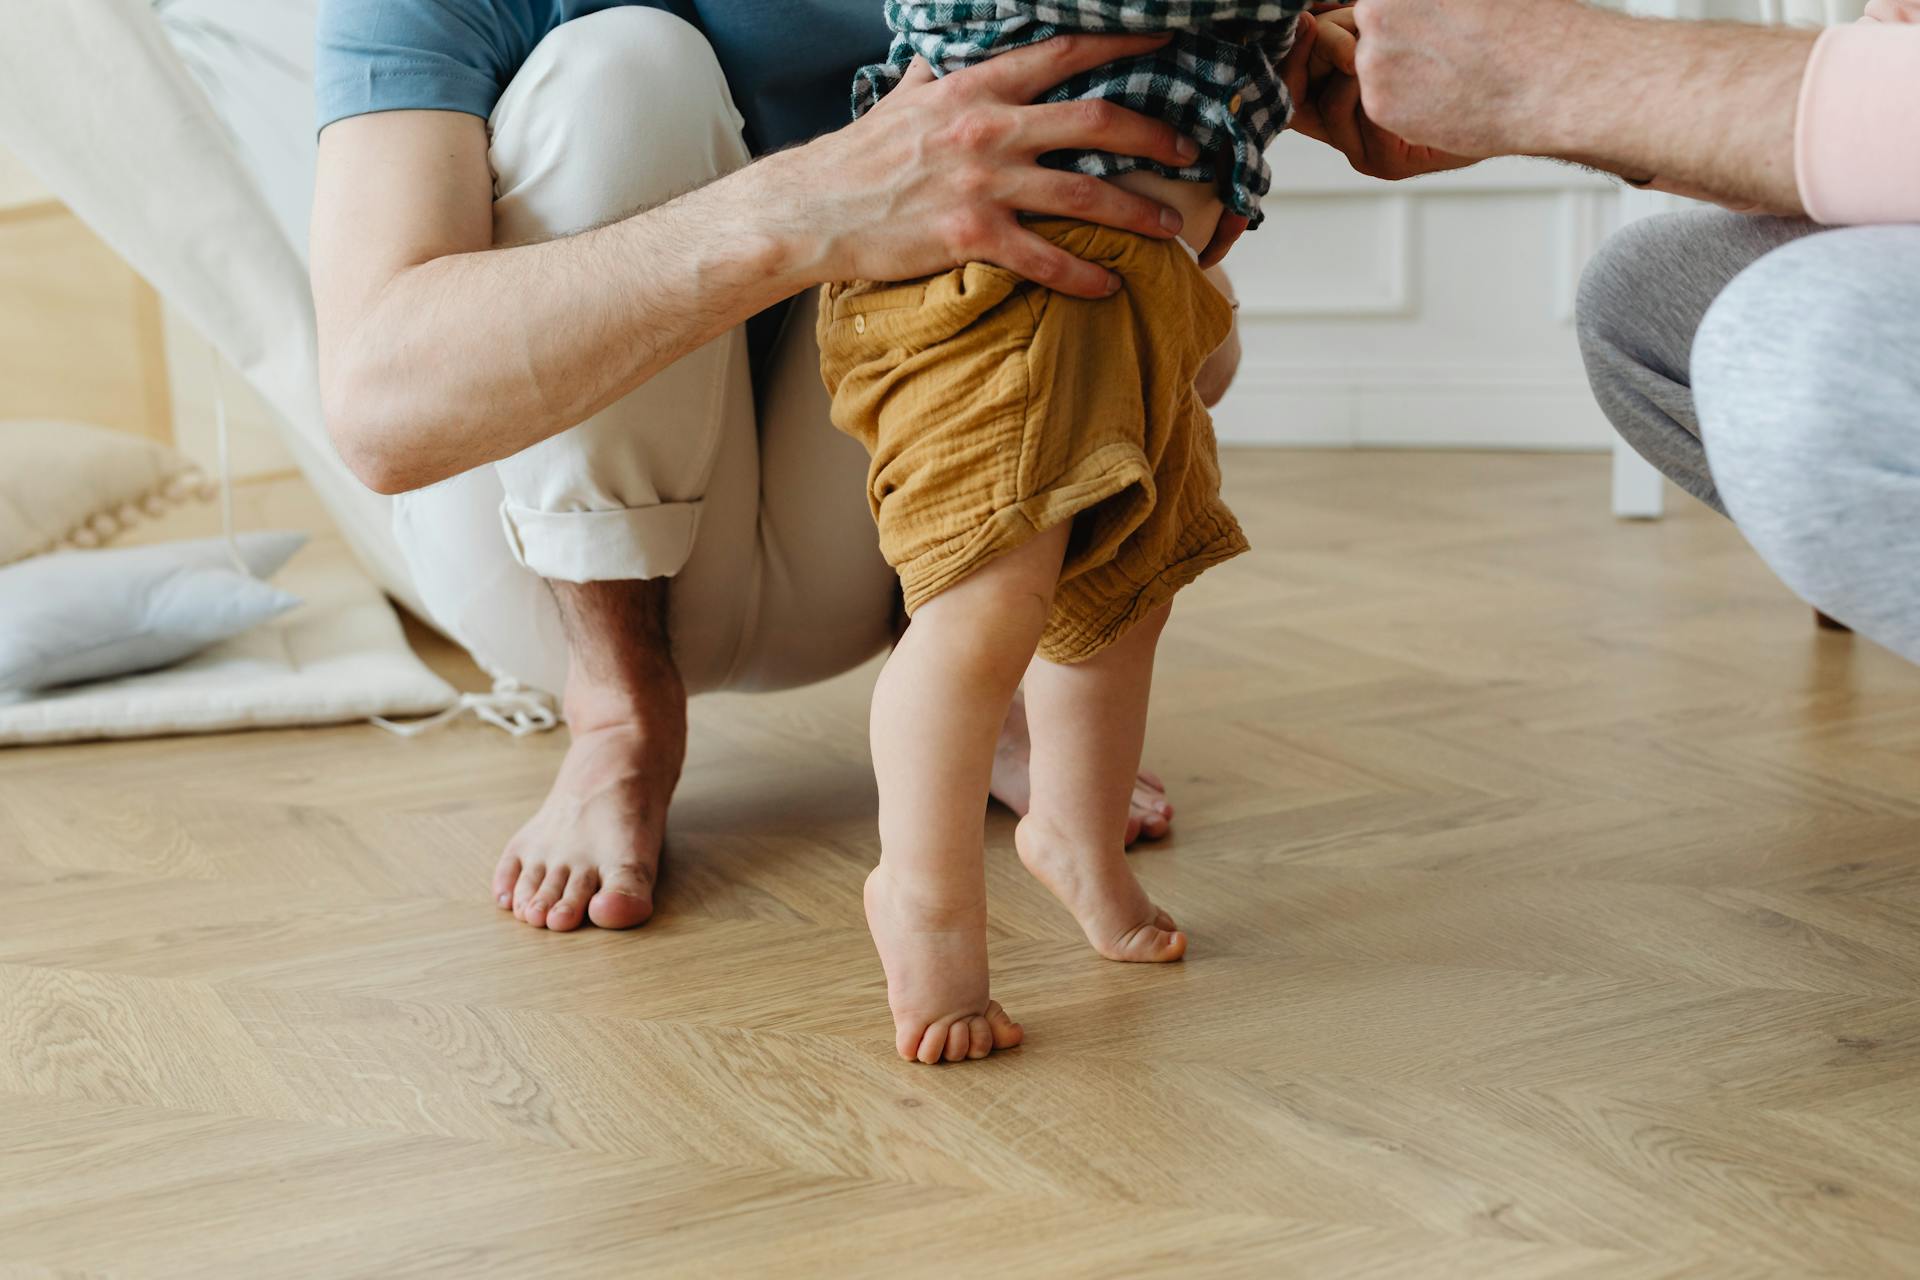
[
  {"x": 1322, "y": 77},
  {"x": 1225, "y": 232},
  {"x": 1337, "y": 32},
  {"x": 1324, "y": 47}
]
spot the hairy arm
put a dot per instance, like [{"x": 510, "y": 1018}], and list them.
[
  {"x": 440, "y": 352},
  {"x": 1704, "y": 108}
]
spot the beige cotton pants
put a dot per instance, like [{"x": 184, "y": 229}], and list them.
[{"x": 759, "y": 518}]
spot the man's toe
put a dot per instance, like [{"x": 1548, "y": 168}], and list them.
[
  {"x": 624, "y": 900},
  {"x": 551, "y": 890},
  {"x": 526, "y": 885},
  {"x": 503, "y": 877},
  {"x": 571, "y": 911}
]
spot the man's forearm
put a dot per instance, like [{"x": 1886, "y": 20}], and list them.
[
  {"x": 1703, "y": 108},
  {"x": 471, "y": 357},
  {"x": 440, "y": 353}
]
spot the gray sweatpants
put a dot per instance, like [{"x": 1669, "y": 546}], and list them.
[{"x": 1772, "y": 369}]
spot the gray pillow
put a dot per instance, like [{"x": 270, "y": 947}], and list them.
[{"x": 83, "y": 615}]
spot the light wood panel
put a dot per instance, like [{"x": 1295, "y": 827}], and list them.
[
  {"x": 80, "y": 334},
  {"x": 1556, "y": 912}
]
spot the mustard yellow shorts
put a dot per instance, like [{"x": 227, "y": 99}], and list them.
[{"x": 995, "y": 409}]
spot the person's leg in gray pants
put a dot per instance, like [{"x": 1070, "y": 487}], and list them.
[{"x": 1794, "y": 354}]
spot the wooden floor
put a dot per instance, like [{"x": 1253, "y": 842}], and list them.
[{"x": 1555, "y": 888}]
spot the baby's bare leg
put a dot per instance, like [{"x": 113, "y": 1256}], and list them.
[
  {"x": 937, "y": 712},
  {"x": 1089, "y": 721}
]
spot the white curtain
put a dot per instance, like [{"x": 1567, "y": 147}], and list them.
[{"x": 97, "y": 100}]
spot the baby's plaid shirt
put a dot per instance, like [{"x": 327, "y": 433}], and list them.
[{"x": 1217, "y": 81}]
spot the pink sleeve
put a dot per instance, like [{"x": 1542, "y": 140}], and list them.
[{"x": 1857, "y": 139}]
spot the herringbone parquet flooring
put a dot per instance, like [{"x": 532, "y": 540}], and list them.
[{"x": 1555, "y": 889}]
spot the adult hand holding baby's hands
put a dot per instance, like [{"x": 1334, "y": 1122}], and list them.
[
  {"x": 935, "y": 174},
  {"x": 1334, "y": 99}
]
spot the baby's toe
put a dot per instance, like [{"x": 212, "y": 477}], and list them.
[
  {"x": 959, "y": 1038},
  {"x": 1152, "y": 944},
  {"x": 933, "y": 1042},
  {"x": 979, "y": 1037},
  {"x": 1006, "y": 1032}
]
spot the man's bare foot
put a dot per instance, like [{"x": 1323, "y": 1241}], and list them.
[
  {"x": 935, "y": 957},
  {"x": 592, "y": 852},
  {"x": 1099, "y": 888},
  {"x": 593, "y": 849},
  {"x": 1149, "y": 815}
]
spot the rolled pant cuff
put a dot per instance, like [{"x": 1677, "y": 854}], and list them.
[{"x": 602, "y": 546}]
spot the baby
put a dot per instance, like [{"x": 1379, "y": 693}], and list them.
[{"x": 1044, "y": 479}]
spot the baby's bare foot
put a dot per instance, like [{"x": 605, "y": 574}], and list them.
[
  {"x": 936, "y": 962},
  {"x": 1099, "y": 888}
]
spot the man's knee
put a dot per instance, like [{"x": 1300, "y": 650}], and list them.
[
  {"x": 627, "y": 61},
  {"x": 1809, "y": 409},
  {"x": 612, "y": 112}
]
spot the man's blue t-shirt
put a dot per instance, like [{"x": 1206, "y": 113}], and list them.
[{"x": 788, "y": 62}]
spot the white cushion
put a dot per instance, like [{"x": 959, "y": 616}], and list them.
[
  {"x": 64, "y": 484},
  {"x": 82, "y": 615},
  {"x": 340, "y": 656}
]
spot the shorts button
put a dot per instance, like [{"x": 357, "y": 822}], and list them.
[{"x": 859, "y": 324}]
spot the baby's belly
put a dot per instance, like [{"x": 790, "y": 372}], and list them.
[{"x": 1199, "y": 206}]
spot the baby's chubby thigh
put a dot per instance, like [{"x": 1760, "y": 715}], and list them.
[{"x": 1197, "y": 203}]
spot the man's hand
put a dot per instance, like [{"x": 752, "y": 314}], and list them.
[
  {"x": 1464, "y": 76},
  {"x": 936, "y": 174},
  {"x": 1321, "y": 74}
]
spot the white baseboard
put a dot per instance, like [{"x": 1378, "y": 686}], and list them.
[{"x": 1413, "y": 408}]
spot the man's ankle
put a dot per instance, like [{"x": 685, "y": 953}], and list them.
[
  {"x": 620, "y": 668},
  {"x": 653, "y": 699}
]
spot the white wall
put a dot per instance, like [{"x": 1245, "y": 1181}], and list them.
[
  {"x": 256, "y": 447},
  {"x": 1433, "y": 312},
  {"x": 1436, "y": 312}
]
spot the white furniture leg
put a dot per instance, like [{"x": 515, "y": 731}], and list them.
[{"x": 1639, "y": 491}]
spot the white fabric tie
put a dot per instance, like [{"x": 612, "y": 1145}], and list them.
[{"x": 511, "y": 706}]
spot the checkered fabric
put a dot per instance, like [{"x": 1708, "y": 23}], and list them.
[{"x": 1218, "y": 80}]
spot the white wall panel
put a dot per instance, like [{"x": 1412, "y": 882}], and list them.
[
  {"x": 1436, "y": 312},
  {"x": 1433, "y": 312}
]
